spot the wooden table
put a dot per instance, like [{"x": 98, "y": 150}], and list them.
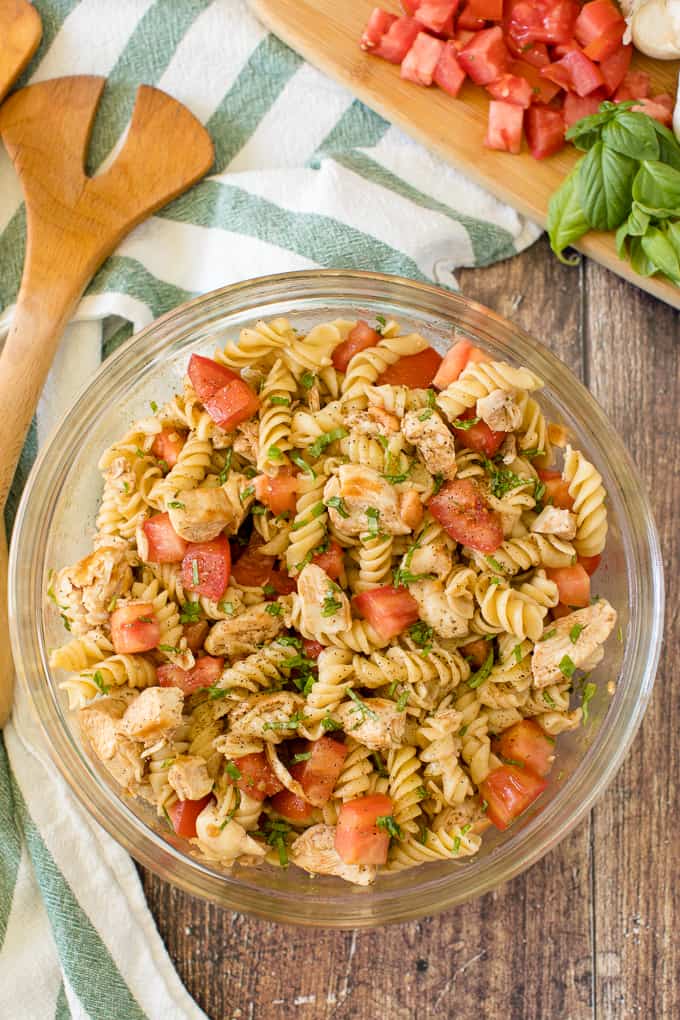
[{"x": 588, "y": 932}]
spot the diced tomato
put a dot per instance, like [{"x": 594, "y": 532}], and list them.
[
  {"x": 542, "y": 90},
  {"x": 234, "y": 403},
  {"x": 575, "y": 73},
  {"x": 376, "y": 27},
  {"x": 448, "y": 73},
  {"x": 653, "y": 108},
  {"x": 388, "y": 610},
  {"x": 664, "y": 99},
  {"x": 486, "y": 10},
  {"x": 165, "y": 545},
  {"x": 607, "y": 45},
  {"x": 560, "y": 610},
  {"x": 509, "y": 791},
  {"x": 614, "y": 69},
  {"x": 477, "y": 651},
  {"x": 464, "y": 514},
  {"x": 525, "y": 742},
  {"x": 207, "y": 377},
  {"x": 278, "y": 492},
  {"x": 332, "y": 560},
  {"x": 358, "y": 839},
  {"x": 479, "y": 436},
  {"x": 576, "y": 107},
  {"x": 468, "y": 21},
  {"x": 397, "y": 41},
  {"x": 319, "y": 774},
  {"x": 455, "y": 360},
  {"x": 590, "y": 563},
  {"x": 205, "y": 672},
  {"x": 462, "y": 38},
  {"x": 595, "y": 19},
  {"x": 510, "y": 88},
  {"x": 194, "y": 634},
  {"x": 134, "y": 628},
  {"x": 312, "y": 649},
  {"x": 541, "y": 21},
  {"x": 486, "y": 56},
  {"x": 252, "y": 569},
  {"x": 634, "y": 84},
  {"x": 414, "y": 370},
  {"x": 533, "y": 53},
  {"x": 573, "y": 584},
  {"x": 545, "y": 131},
  {"x": 257, "y": 779},
  {"x": 183, "y": 815},
  {"x": 504, "y": 130},
  {"x": 556, "y": 489},
  {"x": 167, "y": 446},
  {"x": 294, "y": 809},
  {"x": 419, "y": 63},
  {"x": 282, "y": 583},
  {"x": 206, "y": 567},
  {"x": 358, "y": 339},
  {"x": 437, "y": 15},
  {"x": 557, "y": 52}
]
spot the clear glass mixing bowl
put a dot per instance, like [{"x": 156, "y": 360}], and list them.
[{"x": 57, "y": 514}]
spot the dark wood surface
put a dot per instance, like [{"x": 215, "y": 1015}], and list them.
[{"x": 592, "y": 931}]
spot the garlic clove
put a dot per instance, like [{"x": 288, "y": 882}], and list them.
[{"x": 655, "y": 28}]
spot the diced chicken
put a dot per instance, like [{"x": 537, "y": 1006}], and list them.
[
  {"x": 100, "y": 725},
  {"x": 270, "y": 717},
  {"x": 241, "y": 495},
  {"x": 448, "y": 617},
  {"x": 375, "y": 723},
  {"x": 199, "y": 515},
  {"x": 84, "y": 592},
  {"x": 315, "y": 851},
  {"x": 325, "y": 607},
  {"x": 597, "y": 622},
  {"x": 224, "y": 843},
  {"x": 431, "y": 558},
  {"x": 245, "y": 442},
  {"x": 243, "y": 634},
  {"x": 370, "y": 501},
  {"x": 189, "y": 778},
  {"x": 553, "y": 520},
  {"x": 507, "y": 452},
  {"x": 386, "y": 422},
  {"x": 500, "y": 411},
  {"x": 411, "y": 509},
  {"x": 153, "y": 713},
  {"x": 432, "y": 438}
]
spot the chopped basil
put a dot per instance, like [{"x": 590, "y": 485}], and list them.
[
  {"x": 548, "y": 634},
  {"x": 268, "y": 589},
  {"x": 575, "y": 632},
  {"x": 274, "y": 453},
  {"x": 226, "y": 607},
  {"x": 232, "y": 770},
  {"x": 329, "y": 724},
  {"x": 402, "y": 701},
  {"x": 98, "y": 679},
  {"x": 381, "y": 322},
  {"x": 190, "y": 612},
  {"x": 380, "y": 767},
  {"x": 494, "y": 563},
  {"x": 290, "y": 724},
  {"x": 331, "y": 605},
  {"x": 549, "y": 700},
  {"x": 373, "y": 516},
  {"x": 303, "y": 756},
  {"x": 274, "y": 608},
  {"x": 456, "y": 845},
  {"x": 307, "y": 380},
  {"x": 388, "y": 823},
  {"x": 112, "y": 604},
  {"x": 362, "y": 706},
  {"x": 139, "y": 453},
  {"x": 517, "y": 652},
  {"x": 465, "y": 423},
  {"x": 338, "y": 504},
  {"x": 167, "y": 763},
  {"x": 403, "y": 577},
  {"x": 288, "y": 639},
  {"x": 153, "y": 405},
  {"x": 567, "y": 667},
  {"x": 421, "y": 635},
  {"x": 176, "y": 505},
  {"x": 303, "y": 465},
  {"x": 215, "y": 692},
  {"x": 257, "y": 510},
  {"x": 324, "y": 440},
  {"x": 421, "y": 792},
  {"x": 172, "y": 649},
  {"x": 163, "y": 465},
  {"x": 438, "y": 482},
  {"x": 530, "y": 454},
  {"x": 224, "y": 473},
  {"x": 396, "y": 479},
  {"x": 511, "y": 761},
  {"x": 280, "y": 401},
  {"x": 483, "y": 672},
  {"x": 588, "y": 694},
  {"x": 247, "y": 493},
  {"x": 427, "y": 413}
]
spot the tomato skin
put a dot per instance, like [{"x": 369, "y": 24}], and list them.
[
  {"x": 291, "y": 807},
  {"x": 448, "y": 74},
  {"x": 359, "y": 339},
  {"x": 556, "y": 489},
  {"x": 207, "y": 376},
  {"x": 134, "y": 628},
  {"x": 281, "y": 583},
  {"x": 504, "y": 128},
  {"x": 464, "y": 514},
  {"x": 388, "y": 610},
  {"x": 590, "y": 563},
  {"x": 421, "y": 60},
  {"x": 575, "y": 73},
  {"x": 234, "y": 403},
  {"x": 436, "y": 15},
  {"x": 358, "y": 840},
  {"x": 252, "y": 569},
  {"x": 168, "y": 445},
  {"x": 396, "y": 42},
  {"x": 279, "y": 492},
  {"x": 479, "y": 436},
  {"x": 509, "y": 791},
  {"x": 213, "y": 566},
  {"x": 477, "y": 651},
  {"x": 183, "y": 815},
  {"x": 487, "y": 10},
  {"x": 456, "y": 359},
  {"x": 319, "y": 774},
  {"x": 658, "y": 110},
  {"x": 376, "y": 27},
  {"x": 560, "y": 610},
  {"x": 258, "y": 779},
  {"x": 541, "y": 21},
  {"x": 486, "y": 56},
  {"x": 573, "y": 584},
  {"x": 527, "y": 743},
  {"x": 545, "y": 131},
  {"x": 542, "y": 90},
  {"x": 607, "y": 45},
  {"x": 312, "y": 649},
  {"x": 332, "y": 561},
  {"x": 594, "y": 20},
  {"x": 165, "y": 545},
  {"x": 414, "y": 370},
  {"x": 206, "y": 671}
]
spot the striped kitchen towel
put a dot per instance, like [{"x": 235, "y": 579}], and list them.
[{"x": 304, "y": 176}]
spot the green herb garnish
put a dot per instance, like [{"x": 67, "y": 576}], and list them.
[
  {"x": 274, "y": 608},
  {"x": 324, "y": 440},
  {"x": 465, "y": 423},
  {"x": 567, "y": 667},
  {"x": 483, "y": 672},
  {"x": 98, "y": 680},
  {"x": 388, "y": 823},
  {"x": 588, "y": 694},
  {"x": 176, "y": 505},
  {"x": 338, "y": 504},
  {"x": 575, "y": 632}
]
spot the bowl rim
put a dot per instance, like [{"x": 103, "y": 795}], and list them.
[{"x": 541, "y": 832}]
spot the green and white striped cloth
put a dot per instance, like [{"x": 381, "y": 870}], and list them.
[{"x": 304, "y": 176}]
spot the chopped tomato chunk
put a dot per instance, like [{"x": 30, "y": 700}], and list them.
[
  {"x": 421, "y": 60},
  {"x": 134, "y": 628},
  {"x": 479, "y": 436},
  {"x": 577, "y": 107},
  {"x": 232, "y": 404},
  {"x": 167, "y": 446},
  {"x": 388, "y": 610},
  {"x": 464, "y": 514},
  {"x": 206, "y": 671},
  {"x": 378, "y": 24},
  {"x": 560, "y": 610},
  {"x": 653, "y": 108},
  {"x": 282, "y": 583},
  {"x": 486, "y": 56},
  {"x": 575, "y": 73},
  {"x": 456, "y": 359},
  {"x": 165, "y": 545},
  {"x": 614, "y": 69},
  {"x": 556, "y": 489},
  {"x": 468, "y": 21},
  {"x": 332, "y": 561},
  {"x": 206, "y": 567},
  {"x": 358, "y": 839},
  {"x": 183, "y": 815},
  {"x": 252, "y": 569},
  {"x": 542, "y": 90},
  {"x": 504, "y": 130},
  {"x": 448, "y": 73},
  {"x": 319, "y": 774},
  {"x": 291, "y": 807},
  {"x": 535, "y": 54},
  {"x": 595, "y": 19},
  {"x": 545, "y": 131},
  {"x": 633, "y": 85},
  {"x": 525, "y": 743},
  {"x": 312, "y": 649},
  {"x": 541, "y": 21},
  {"x": 510, "y": 88},
  {"x": 396, "y": 42},
  {"x": 278, "y": 492},
  {"x": 207, "y": 376},
  {"x": 607, "y": 44},
  {"x": 359, "y": 339},
  {"x": 590, "y": 563},
  {"x": 477, "y": 651},
  {"x": 414, "y": 370},
  {"x": 437, "y": 15},
  {"x": 509, "y": 791},
  {"x": 257, "y": 777},
  {"x": 487, "y": 10},
  {"x": 573, "y": 584}
]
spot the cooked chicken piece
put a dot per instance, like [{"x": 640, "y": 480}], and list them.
[
  {"x": 375, "y": 723},
  {"x": 597, "y": 622},
  {"x": 432, "y": 438},
  {"x": 500, "y": 411},
  {"x": 411, "y": 509},
  {"x": 370, "y": 501},
  {"x": 189, "y": 778},
  {"x": 85, "y": 590},
  {"x": 243, "y": 634},
  {"x": 271, "y": 717},
  {"x": 553, "y": 520},
  {"x": 325, "y": 607},
  {"x": 224, "y": 843},
  {"x": 315, "y": 851},
  {"x": 386, "y": 422},
  {"x": 154, "y": 712},
  {"x": 245, "y": 442},
  {"x": 507, "y": 451},
  {"x": 100, "y": 724},
  {"x": 448, "y": 617},
  {"x": 199, "y": 515},
  {"x": 433, "y": 558}
]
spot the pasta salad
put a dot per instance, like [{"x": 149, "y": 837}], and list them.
[{"x": 338, "y": 607}]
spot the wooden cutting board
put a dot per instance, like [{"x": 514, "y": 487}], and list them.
[{"x": 326, "y": 33}]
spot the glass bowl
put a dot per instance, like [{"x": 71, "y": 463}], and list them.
[{"x": 57, "y": 514}]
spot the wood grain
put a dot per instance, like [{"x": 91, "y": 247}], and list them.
[
  {"x": 590, "y": 931},
  {"x": 327, "y": 34},
  {"x": 20, "y": 33}
]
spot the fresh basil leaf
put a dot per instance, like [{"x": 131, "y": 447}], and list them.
[
  {"x": 632, "y": 134},
  {"x": 657, "y": 185},
  {"x": 566, "y": 221},
  {"x": 622, "y": 235},
  {"x": 605, "y": 180},
  {"x": 661, "y": 253},
  {"x": 587, "y": 131},
  {"x": 656, "y": 214},
  {"x": 638, "y": 259},
  {"x": 673, "y": 234},
  {"x": 669, "y": 149},
  {"x": 638, "y": 220}
]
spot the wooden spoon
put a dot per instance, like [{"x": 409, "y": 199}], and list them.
[
  {"x": 73, "y": 224},
  {"x": 20, "y": 34}
]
